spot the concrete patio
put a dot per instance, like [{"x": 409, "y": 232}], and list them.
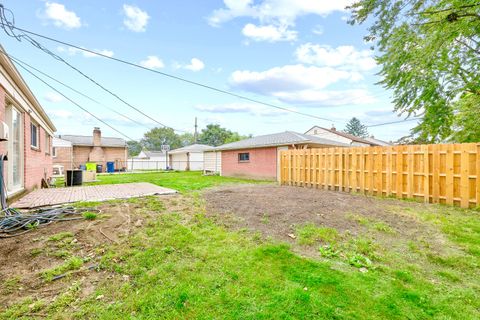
[{"x": 56, "y": 196}]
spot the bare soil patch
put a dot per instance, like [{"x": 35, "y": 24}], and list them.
[
  {"x": 278, "y": 212},
  {"x": 24, "y": 258}
]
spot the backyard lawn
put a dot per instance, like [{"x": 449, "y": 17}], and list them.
[
  {"x": 180, "y": 181},
  {"x": 246, "y": 251}
]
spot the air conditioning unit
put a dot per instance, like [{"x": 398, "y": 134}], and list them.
[{"x": 3, "y": 131}]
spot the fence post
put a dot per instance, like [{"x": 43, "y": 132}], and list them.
[
  {"x": 449, "y": 175},
  {"x": 464, "y": 180},
  {"x": 477, "y": 159},
  {"x": 388, "y": 171},
  {"x": 435, "y": 173},
  {"x": 426, "y": 173},
  {"x": 399, "y": 170}
]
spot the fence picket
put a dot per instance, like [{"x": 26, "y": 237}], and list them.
[{"x": 436, "y": 173}]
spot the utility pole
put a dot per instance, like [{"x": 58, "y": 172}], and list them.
[{"x": 195, "y": 137}]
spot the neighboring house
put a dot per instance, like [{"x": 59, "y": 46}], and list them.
[
  {"x": 94, "y": 148},
  {"x": 212, "y": 162},
  {"x": 378, "y": 142},
  {"x": 188, "y": 158},
  {"x": 342, "y": 137},
  {"x": 148, "y": 160},
  {"x": 29, "y": 131},
  {"x": 62, "y": 152},
  {"x": 258, "y": 157}
]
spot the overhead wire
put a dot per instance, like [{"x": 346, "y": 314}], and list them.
[
  {"x": 69, "y": 99},
  {"x": 17, "y": 60},
  {"x": 195, "y": 83},
  {"x": 9, "y": 28}
]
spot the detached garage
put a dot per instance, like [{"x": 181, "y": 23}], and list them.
[
  {"x": 212, "y": 162},
  {"x": 188, "y": 158},
  {"x": 258, "y": 157}
]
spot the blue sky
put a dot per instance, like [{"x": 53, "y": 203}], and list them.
[{"x": 300, "y": 55}]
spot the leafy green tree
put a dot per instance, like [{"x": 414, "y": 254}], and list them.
[
  {"x": 214, "y": 135},
  {"x": 134, "y": 148},
  {"x": 356, "y": 128},
  {"x": 187, "y": 139},
  {"x": 156, "y": 137},
  {"x": 429, "y": 52},
  {"x": 466, "y": 122}
]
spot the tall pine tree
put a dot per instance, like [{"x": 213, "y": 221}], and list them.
[{"x": 356, "y": 128}]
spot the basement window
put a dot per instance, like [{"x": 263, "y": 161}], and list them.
[{"x": 244, "y": 157}]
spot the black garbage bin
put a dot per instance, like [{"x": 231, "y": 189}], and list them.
[
  {"x": 74, "y": 178},
  {"x": 99, "y": 168}
]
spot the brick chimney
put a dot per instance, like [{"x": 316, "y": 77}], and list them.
[
  {"x": 97, "y": 137},
  {"x": 333, "y": 128},
  {"x": 97, "y": 154}
]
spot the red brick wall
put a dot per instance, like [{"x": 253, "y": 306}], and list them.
[
  {"x": 37, "y": 162},
  {"x": 81, "y": 156},
  {"x": 63, "y": 157},
  {"x": 262, "y": 163}
]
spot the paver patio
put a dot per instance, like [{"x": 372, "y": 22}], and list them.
[{"x": 55, "y": 196}]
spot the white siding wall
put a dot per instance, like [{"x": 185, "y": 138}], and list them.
[
  {"x": 212, "y": 162},
  {"x": 321, "y": 133}
]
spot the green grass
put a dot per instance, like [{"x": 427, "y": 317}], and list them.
[
  {"x": 310, "y": 234},
  {"x": 182, "y": 265},
  {"x": 73, "y": 263},
  {"x": 88, "y": 215},
  {"x": 182, "y": 181}
]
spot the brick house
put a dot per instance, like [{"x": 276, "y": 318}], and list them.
[
  {"x": 258, "y": 158},
  {"x": 72, "y": 151},
  {"x": 30, "y": 132}
]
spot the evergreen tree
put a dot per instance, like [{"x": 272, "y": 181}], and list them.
[{"x": 356, "y": 128}]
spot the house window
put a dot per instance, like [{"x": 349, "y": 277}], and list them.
[
  {"x": 34, "y": 141},
  {"x": 54, "y": 152},
  {"x": 47, "y": 143},
  {"x": 244, "y": 157}
]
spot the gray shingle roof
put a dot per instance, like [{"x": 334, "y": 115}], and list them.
[
  {"x": 192, "y": 148},
  {"x": 154, "y": 154},
  {"x": 279, "y": 139},
  {"x": 88, "y": 141}
]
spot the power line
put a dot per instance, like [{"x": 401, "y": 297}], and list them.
[
  {"x": 209, "y": 87},
  {"x": 69, "y": 99},
  {"x": 18, "y": 61},
  {"x": 9, "y": 28},
  {"x": 392, "y": 122}
]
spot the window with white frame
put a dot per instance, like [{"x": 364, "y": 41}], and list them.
[
  {"x": 54, "y": 152},
  {"x": 48, "y": 139},
  {"x": 34, "y": 136}
]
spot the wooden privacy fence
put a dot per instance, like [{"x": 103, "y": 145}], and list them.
[{"x": 437, "y": 173}]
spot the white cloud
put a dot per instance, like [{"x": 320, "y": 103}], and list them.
[
  {"x": 252, "y": 109},
  {"x": 327, "y": 97},
  {"x": 53, "y": 97},
  {"x": 269, "y": 33},
  {"x": 345, "y": 57},
  {"x": 289, "y": 78},
  {"x": 60, "y": 16},
  {"x": 73, "y": 51},
  {"x": 60, "y": 114},
  {"x": 306, "y": 85},
  {"x": 135, "y": 19},
  {"x": 284, "y": 11},
  {"x": 152, "y": 62},
  {"x": 273, "y": 14},
  {"x": 195, "y": 65}
]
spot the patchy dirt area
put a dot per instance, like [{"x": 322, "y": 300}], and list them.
[
  {"x": 279, "y": 211},
  {"x": 70, "y": 251}
]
